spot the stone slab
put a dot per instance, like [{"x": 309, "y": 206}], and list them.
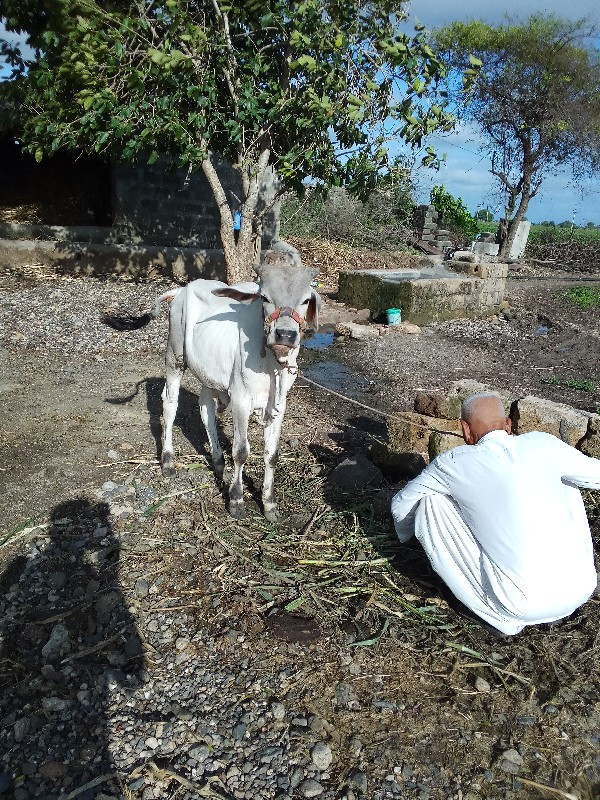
[
  {"x": 128, "y": 261},
  {"x": 569, "y": 424},
  {"x": 410, "y": 433}
]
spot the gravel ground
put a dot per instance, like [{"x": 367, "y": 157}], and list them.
[{"x": 151, "y": 647}]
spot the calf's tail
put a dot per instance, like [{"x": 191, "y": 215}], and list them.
[{"x": 129, "y": 322}]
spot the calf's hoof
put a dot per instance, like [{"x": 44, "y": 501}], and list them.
[
  {"x": 168, "y": 469},
  {"x": 237, "y": 509},
  {"x": 272, "y": 513}
]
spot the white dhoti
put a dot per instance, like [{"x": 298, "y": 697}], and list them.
[
  {"x": 504, "y": 526},
  {"x": 457, "y": 558}
]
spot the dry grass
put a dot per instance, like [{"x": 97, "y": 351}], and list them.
[{"x": 333, "y": 257}]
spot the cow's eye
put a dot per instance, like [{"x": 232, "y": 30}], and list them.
[
  {"x": 305, "y": 302},
  {"x": 264, "y": 299}
]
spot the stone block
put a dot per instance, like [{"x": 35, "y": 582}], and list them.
[
  {"x": 590, "y": 444},
  {"x": 537, "y": 414},
  {"x": 441, "y": 442},
  {"x": 447, "y": 404},
  {"x": 485, "y": 248},
  {"x": 355, "y": 331},
  {"x": 410, "y": 433},
  {"x": 424, "y": 295},
  {"x": 462, "y": 260},
  {"x": 397, "y": 466}
]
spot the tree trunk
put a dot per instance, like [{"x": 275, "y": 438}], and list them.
[
  {"x": 523, "y": 190},
  {"x": 240, "y": 255}
]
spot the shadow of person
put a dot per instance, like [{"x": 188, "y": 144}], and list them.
[{"x": 67, "y": 639}]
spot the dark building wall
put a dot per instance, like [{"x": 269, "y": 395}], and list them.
[
  {"x": 148, "y": 204},
  {"x": 65, "y": 189},
  {"x": 159, "y": 206}
]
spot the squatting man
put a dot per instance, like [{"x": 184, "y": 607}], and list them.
[{"x": 502, "y": 521}]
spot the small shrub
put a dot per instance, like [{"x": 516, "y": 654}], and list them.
[
  {"x": 584, "y": 296},
  {"x": 454, "y": 212},
  {"x": 381, "y": 222},
  {"x": 582, "y": 384}
]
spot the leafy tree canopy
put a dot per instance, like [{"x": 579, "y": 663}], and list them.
[
  {"x": 313, "y": 88},
  {"x": 536, "y": 100}
]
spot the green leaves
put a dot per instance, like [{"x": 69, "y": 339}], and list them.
[
  {"x": 173, "y": 80},
  {"x": 453, "y": 211}
]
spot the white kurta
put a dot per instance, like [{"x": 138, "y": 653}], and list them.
[{"x": 504, "y": 526}]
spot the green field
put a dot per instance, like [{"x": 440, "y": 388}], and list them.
[{"x": 542, "y": 234}]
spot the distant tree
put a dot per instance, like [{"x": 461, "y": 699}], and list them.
[
  {"x": 453, "y": 211},
  {"x": 565, "y": 224},
  {"x": 548, "y": 223},
  {"x": 484, "y": 215},
  {"x": 591, "y": 225},
  {"x": 313, "y": 89},
  {"x": 536, "y": 100}
]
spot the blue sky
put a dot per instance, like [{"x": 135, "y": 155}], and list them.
[{"x": 465, "y": 173}]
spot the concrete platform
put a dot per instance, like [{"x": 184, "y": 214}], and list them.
[
  {"x": 428, "y": 294},
  {"x": 134, "y": 262}
]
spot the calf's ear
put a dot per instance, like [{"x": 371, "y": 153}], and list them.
[
  {"x": 312, "y": 313},
  {"x": 235, "y": 294}
]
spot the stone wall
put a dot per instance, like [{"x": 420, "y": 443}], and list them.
[
  {"x": 158, "y": 206},
  {"x": 426, "y": 222},
  {"x": 434, "y": 425},
  {"x": 131, "y": 262}
]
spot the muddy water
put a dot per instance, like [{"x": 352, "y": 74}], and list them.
[{"x": 317, "y": 366}]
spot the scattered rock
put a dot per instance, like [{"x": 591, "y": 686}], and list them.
[
  {"x": 482, "y": 685},
  {"x": 58, "y": 643},
  {"x": 141, "y": 587},
  {"x": 510, "y": 761},
  {"x": 53, "y": 770},
  {"x": 52, "y": 704},
  {"x": 358, "y": 780},
  {"x": 311, "y": 788},
  {"x": 358, "y": 332},
  {"x": 405, "y": 327},
  {"x": 356, "y": 473},
  {"x": 321, "y": 756}
]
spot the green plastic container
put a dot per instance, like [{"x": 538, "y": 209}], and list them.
[{"x": 394, "y": 316}]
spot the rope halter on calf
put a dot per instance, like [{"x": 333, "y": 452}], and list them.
[{"x": 284, "y": 312}]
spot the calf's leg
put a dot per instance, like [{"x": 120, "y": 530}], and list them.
[
  {"x": 170, "y": 398},
  {"x": 240, "y": 453},
  {"x": 208, "y": 401},
  {"x": 272, "y": 434}
]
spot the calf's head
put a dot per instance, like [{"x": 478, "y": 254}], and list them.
[{"x": 290, "y": 304}]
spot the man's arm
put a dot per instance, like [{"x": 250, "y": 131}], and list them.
[
  {"x": 404, "y": 504},
  {"x": 578, "y": 469}
]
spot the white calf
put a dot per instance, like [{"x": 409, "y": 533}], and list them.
[{"x": 244, "y": 354}]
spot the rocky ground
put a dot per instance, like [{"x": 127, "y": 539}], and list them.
[{"x": 152, "y": 647}]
